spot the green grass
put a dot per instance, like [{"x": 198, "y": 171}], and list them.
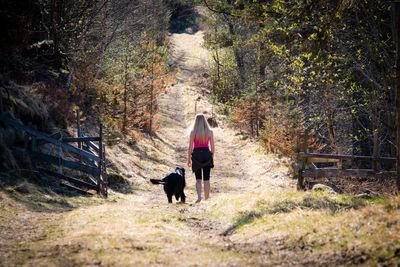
[
  {"x": 317, "y": 224},
  {"x": 7, "y": 213}
]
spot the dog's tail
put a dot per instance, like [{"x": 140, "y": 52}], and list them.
[{"x": 157, "y": 181}]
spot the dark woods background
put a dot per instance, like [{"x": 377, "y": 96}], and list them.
[
  {"x": 107, "y": 57},
  {"x": 282, "y": 70}
]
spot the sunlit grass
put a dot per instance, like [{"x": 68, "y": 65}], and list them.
[
  {"x": 323, "y": 222},
  {"x": 130, "y": 235}
]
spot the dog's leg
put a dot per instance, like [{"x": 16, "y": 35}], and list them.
[
  {"x": 169, "y": 196},
  {"x": 183, "y": 197}
]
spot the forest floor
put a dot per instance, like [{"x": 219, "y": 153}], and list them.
[{"x": 255, "y": 216}]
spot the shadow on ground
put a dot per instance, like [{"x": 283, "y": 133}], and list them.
[{"x": 36, "y": 193}]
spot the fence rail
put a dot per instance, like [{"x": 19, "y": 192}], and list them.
[
  {"x": 69, "y": 179},
  {"x": 95, "y": 160},
  {"x": 308, "y": 168},
  {"x": 47, "y": 138},
  {"x": 341, "y": 157},
  {"x": 80, "y": 139}
]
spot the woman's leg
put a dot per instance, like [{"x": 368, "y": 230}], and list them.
[
  {"x": 198, "y": 189},
  {"x": 198, "y": 184},
  {"x": 206, "y": 178},
  {"x": 206, "y": 189}
]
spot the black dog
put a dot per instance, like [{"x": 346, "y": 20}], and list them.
[{"x": 174, "y": 184}]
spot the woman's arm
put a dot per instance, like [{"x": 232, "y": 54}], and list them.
[
  {"x": 190, "y": 149},
  {"x": 212, "y": 143}
]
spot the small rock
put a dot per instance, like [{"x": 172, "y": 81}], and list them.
[
  {"x": 25, "y": 188},
  {"x": 323, "y": 187},
  {"x": 363, "y": 195}
]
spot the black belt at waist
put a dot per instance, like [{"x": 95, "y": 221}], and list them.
[{"x": 201, "y": 149}]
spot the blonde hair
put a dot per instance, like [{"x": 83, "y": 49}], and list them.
[{"x": 201, "y": 129}]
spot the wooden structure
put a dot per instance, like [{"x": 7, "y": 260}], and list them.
[
  {"x": 309, "y": 169},
  {"x": 91, "y": 156}
]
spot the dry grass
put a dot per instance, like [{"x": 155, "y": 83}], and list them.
[{"x": 312, "y": 228}]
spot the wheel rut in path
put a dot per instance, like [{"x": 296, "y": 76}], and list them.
[{"x": 177, "y": 114}]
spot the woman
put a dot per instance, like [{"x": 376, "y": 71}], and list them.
[{"x": 200, "y": 158}]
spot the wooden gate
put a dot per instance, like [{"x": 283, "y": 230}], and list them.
[
  {"x": 91, "y": 157},
  {"x": 309, "y": 169}
]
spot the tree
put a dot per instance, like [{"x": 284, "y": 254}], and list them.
[{"x": 329, "y": 63}]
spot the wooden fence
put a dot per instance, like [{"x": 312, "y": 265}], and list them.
[
  {"x": 309, "y": 169},
  {"x": 92, "y": 155}
]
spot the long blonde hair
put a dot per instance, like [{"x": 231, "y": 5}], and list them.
[{"x": 201, "y": 129}]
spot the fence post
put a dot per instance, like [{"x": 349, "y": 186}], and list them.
[
  {"x": 339, "y": 164},
  {"x": 104, "y": 170},
  {"x": 101, "y": 159},
  {"x": 303, "y": 163},
  {"x": 78, "y": 126},
  {"x": 104, "y": 158}
]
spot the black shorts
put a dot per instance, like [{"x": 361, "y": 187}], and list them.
[
  {"x": 206, "y": 173},
  {"x": 201, "y": 157}
]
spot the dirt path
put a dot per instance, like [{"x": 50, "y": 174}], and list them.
[{"x": 141, "y": 228}]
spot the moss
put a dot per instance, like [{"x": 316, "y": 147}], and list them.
[
  {"x": 116, "y": 179},
  {"x": 120, "y": 183},
  {"x": 7, "y": 213}
]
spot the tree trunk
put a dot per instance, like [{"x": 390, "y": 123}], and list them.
[
  {"x": 238, "y": 58},
  {"x": 329, "y": 123},
  {"x": 375, "y": 129},
  {"x": 151, "y": 95},
  {"x": 396, "y": 34},
  {"x": 218, "y": 69},
  {"x": 375, "y": 149},
  {"x": 124, "y": 122}
]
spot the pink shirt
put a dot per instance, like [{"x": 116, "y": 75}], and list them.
[{"x": 197, "y": 143}]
